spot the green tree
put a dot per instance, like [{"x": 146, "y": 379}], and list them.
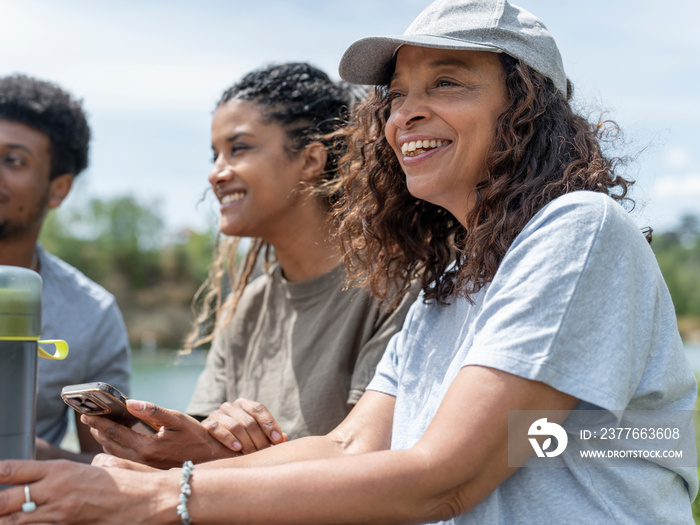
[
  {"x": 190, "y": 255},
  {"x": 678, "y": 254},
  {"x": 122, "y": 244},
  {"x": 109, "y": 236}
]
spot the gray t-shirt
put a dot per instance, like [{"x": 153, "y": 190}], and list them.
[
  {"x": 87, "y": 317},
  {"x": 306, "y": 350},
  {"x": 578, "y": 303}
]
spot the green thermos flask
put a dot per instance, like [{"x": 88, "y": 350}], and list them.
[{"x": 20, "y": 331}]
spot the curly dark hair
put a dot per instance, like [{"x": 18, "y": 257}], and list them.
[
  {"x": 310, "y": 107},
  {"x": 48, "y": 108},
  {"x": 542, "y": 150},
  {"x": 304, "y": 101}
]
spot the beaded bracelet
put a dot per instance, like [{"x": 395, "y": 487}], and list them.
[{"x": 185, "y": 492}]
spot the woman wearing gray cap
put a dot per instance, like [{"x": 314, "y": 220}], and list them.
[{"x": 544, "y": 333}]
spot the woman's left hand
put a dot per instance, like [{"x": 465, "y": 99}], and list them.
[{"x": 72, "y": 493}]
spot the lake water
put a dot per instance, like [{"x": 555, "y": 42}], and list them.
[
  {"x": 166, "y": 378},
  {"x": 693, "y": 353}
]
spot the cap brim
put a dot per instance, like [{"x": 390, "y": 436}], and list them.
[{"x": 365, "y": 61}]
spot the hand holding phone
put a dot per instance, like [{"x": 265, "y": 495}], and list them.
[
  {"x": 182, "y": 437},
  {"x": 102, "y": 399}
]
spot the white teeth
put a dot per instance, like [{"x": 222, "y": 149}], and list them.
[
  {"x": 415, "y": 147},
  {"x": 231, "y": 197}
]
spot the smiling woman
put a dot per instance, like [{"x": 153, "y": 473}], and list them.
[
  {"x": 453, "y": 98},
  {"x": 292, "y": 350},
  {"x": 256, "y": 178}
]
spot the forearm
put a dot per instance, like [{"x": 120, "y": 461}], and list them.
[
  {"x": 366, "y": 429},
  {"x": 302, "y": 449},
  {"x": 382, "y": 487}
]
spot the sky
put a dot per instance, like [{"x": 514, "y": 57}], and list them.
[{"x": 149, "y": 73}]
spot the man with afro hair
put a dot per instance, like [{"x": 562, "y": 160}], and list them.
[{"x": 44, "y": 138}]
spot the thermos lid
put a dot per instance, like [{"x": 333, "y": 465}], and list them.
[{"x": 20, "y": 303}]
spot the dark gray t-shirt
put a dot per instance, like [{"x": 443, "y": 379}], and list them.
[{"x": 306, "y": 350}]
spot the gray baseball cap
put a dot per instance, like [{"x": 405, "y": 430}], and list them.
[{"x": 476, "y": 25}]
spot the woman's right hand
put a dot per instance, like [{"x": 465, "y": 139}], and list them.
[
  {"x": 244, "y": 426},
  {"x": 180, "y": 438}
]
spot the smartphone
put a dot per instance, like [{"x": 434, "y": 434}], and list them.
[{"x": 102, "y": 399}]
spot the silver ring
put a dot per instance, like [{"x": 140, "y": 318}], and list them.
[{"x": 28, "y": 505}]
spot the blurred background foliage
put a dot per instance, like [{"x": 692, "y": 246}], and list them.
[
  {"x": 123, "y": 245},
  {"x": 678, "y": 253}
]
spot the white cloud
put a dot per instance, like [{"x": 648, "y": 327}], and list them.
[
  {"x": 677, "y": 157},
  {"x": 683, "y": 187}
]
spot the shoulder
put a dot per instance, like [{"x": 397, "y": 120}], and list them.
[
  {"x": 60, "y": 279},
  {"x": 261, "y": 282},
  {"x": 582, "y": 218},
  {"x": 582, "y": 209},
  {"x": 589, "y": 211},
  {"x": 259, "y": 287},
  {"x": 578, "y": 233}
]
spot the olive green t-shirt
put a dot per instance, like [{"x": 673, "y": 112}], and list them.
[{"x": 306, "y": 350}]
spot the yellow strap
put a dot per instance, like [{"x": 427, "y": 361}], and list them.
[
  {"x": 61, "y": 349},
  {"x": 61, "y": 346}
]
